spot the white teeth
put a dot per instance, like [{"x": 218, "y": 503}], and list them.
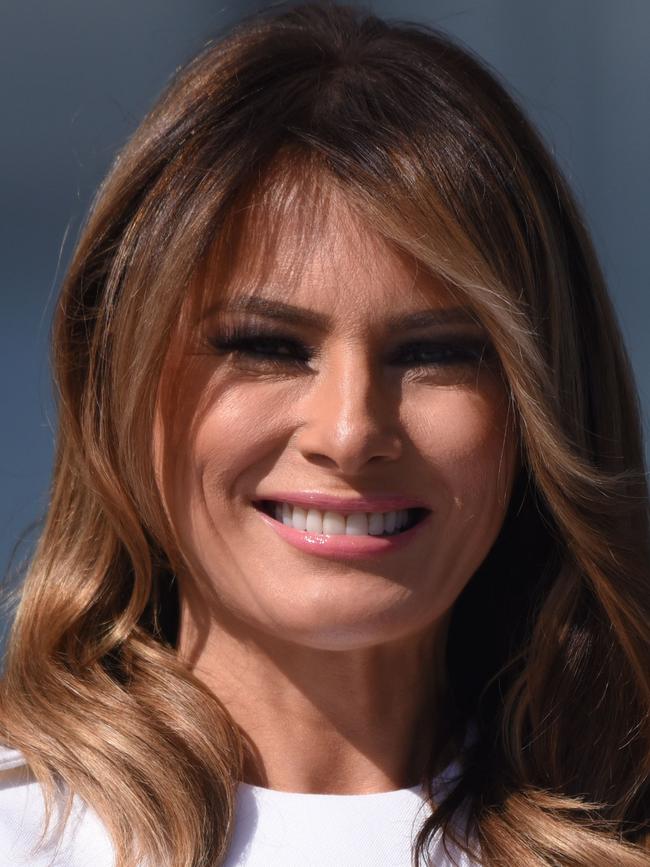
[
  {"x": 299, "y": 518},
  {"x": 356, "y": 524},
  {"x": 336, "y": 524},
  {"x": 314, "y": 521},
  {"x": 333, "y": 524}
]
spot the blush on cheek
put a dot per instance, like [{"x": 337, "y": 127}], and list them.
[
  {"x": 460, "y": 425},
  {"x": 471, "y": 449}
]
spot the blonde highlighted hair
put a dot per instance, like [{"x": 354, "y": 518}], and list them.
[{"x": 549, "y": 644}]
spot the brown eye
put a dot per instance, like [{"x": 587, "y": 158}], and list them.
[
  {"x": 436, "y": 353},
  {"x": 261, "y": 348}
]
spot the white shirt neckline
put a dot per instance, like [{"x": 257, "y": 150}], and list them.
[{"x": 450, "y": 772}]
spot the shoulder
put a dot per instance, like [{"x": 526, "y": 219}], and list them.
[
  {"x": 10, "y": 758},
  {"x": 83, "y": 840}
]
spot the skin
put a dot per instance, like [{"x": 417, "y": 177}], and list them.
[{"x": 332, "y": 668}]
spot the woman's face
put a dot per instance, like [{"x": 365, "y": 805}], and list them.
[{"x": 350, "y": 403}]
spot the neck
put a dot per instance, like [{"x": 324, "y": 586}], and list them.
[{"x": 352, "y": 721}]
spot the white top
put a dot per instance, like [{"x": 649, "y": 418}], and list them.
[{"x": 272, "y": 829}]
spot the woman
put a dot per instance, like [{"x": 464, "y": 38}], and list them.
[{"x": 347, "y": 554}]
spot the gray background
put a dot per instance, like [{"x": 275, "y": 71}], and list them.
[{"x": 77, "y": 76}]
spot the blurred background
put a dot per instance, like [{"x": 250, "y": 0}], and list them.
[{"x": 77, "y": 77}]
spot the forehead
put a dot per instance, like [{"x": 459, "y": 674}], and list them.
[{"x": 311, "y": 248}]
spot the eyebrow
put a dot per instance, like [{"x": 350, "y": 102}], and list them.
[{"x": 289, "y": 313}]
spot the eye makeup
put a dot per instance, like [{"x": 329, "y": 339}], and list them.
[{"x": 266, "y": 347}]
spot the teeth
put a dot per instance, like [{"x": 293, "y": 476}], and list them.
[
  {"x": 337, "y": 524},
  {"x": 314, "y": 521},
  {"x": 356, "y": 524},
  {"x": 334, "y": 524}
]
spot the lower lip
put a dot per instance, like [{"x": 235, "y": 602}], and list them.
[{"x": 344, "y": 547}]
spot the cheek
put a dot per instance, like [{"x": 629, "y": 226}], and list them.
[
  {"x": 237, "y": 434},
  {"x": 228, "y": 446},
  {"x": 470, "y": 447}
]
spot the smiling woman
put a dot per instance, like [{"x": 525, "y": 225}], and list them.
[
  {"x": 347, "y": 557},
  {"x": 363, "y": 428}
]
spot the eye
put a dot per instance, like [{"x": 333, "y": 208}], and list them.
[
  {"x": 427, "y": 354},
  {"x": 261, "y": 349},
  {"x": 274, "y": 351}
]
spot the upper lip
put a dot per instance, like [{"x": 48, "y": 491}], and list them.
[{"x": 368, "y": 503}]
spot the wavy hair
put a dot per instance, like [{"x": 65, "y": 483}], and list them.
[{"x": 548, "y": 647}]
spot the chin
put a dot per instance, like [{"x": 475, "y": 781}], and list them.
[{"x": 340, "y": 630}]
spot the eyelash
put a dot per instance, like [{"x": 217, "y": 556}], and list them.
[{"x": 240, "y": 343}]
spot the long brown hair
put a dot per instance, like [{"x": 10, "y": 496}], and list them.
[{"x": 548, "y": 648}]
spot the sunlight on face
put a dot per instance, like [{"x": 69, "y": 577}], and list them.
[{"x": 355, "y": 402}]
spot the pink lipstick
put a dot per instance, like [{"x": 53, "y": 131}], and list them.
[{"x": 340, "y": 545}]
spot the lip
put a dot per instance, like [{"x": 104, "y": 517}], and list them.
[
  {"x": 339, "y": 547},
  {"x": 328, "y": 502}
]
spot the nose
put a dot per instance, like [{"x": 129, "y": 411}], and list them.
[{"x": 348, "y": 418}]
